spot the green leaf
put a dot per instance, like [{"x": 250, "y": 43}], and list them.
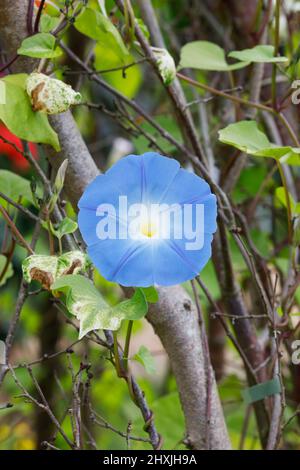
[
  {"x": 151, "y": 294},
  {"x": 41, "y": 46},
  {"x": 134, "y": 308},
  {"x": 281, "y": 196},
  {"x": 9, "y": 271},
  {"x": 48, "y": 23},
  {"x": 2, "y": 92},
  {"x": 14, "y": 186},
  {"x": 144, "y": 357},
  {"x": 85, "y": 302},
  {"x": 206, "y": 55},
  {"x": 96, "y": 26},
  {"x": 66, "y": 226},
  {"x": 246, "y": 136},
  {"x": 18, "y": 116},
  {"x": 261, "y": 53},
  {"x": 47, "y": 269}
]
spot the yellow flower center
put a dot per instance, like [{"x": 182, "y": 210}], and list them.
[{"x": 149, "y": 229}]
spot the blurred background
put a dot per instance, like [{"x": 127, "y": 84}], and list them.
[{"x": 111, "y": 131}]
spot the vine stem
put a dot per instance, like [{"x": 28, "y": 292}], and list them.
[
  {"x": 9, "y": 256},
  {"x": 276, "y": 49},
  {"x": 289, "y": 128},
  {"x": 288, "y": 201},
  {"x": 38, "y": 16},
  {"x": 120, "y": 361},
  {"x": 113, "y": 69},
  {"x": 233, "y": 98},
  {"x": 15, "y": 230},
  {"x": 127, "y": 343},
  {"x": 30, "y": 16},
  {"x": 50, "y": 235},
  {"x": 9, "y": 63},
  {"x": 116, "y": 355}
]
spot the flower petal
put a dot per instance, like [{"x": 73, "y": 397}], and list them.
[
  {"x": 149, "y": 179},
  {"x": 159, "y": 173},
  {"x": 185, "y": 187},
  {"x": 174, "y": 265},
  {"x": 88, "y": 221},
  {"x": 123, "y": 179},
  {"x": 188, "y": 188},
  {"x": 128, "y": 263}
]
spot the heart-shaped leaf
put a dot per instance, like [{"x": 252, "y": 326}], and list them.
[
  {"x": 247, "y": 137},
  {"x": 18, "y": 116},
  {"x": 48, "y": 23},
  {"x": 205, "y": 55},
  {"x": 260, "y": 53},
  {"x": 65, "y": 227},
  {"x": 134, "y": 308},
  {"x": 40, "y": 46},
  {"x": 85, "y": 302},
  {"x": 151, "y": 294}
]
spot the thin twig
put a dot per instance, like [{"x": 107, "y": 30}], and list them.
[{"x": 15, "y": 230}]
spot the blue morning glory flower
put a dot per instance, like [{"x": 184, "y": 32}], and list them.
[{"x": 147, "y": 221}]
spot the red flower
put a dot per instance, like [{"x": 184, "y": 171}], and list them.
[{"x": 17, "y": 159}]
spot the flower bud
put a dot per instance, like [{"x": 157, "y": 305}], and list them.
[
  {"x": 50, "y": 95},
  {"x": 165, "y": 64}
]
